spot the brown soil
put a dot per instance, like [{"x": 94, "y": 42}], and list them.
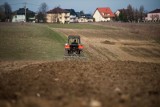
[
  {"x": 121, "y": 70},
  {"x": 81, "y": 84}
]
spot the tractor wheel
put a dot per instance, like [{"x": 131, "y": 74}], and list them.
[
  {"x": 79, "y": 52},
  {"x": 66, "y": 53}
]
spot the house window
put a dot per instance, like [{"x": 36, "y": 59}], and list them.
[{"x": 108, "y": 15}]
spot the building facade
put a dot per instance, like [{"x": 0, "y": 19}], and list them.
[
  {"x": 19, "y": 15},
  {"x": 58, "y": 15},
  {"x": 153, "y": 15},
  {"x": 73, "y": 15},
  {"x": 18, "y": 18},
  {"x": 103, "y": 14}
]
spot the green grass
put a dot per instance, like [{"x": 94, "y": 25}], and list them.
[
  {"x": 76, "y": 26},
  {"x": 30, "y": 42}
]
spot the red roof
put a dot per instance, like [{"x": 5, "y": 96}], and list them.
[{"x": 106, "y": 12}]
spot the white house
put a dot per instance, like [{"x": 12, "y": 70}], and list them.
[
  {"x": 73, "y": 19},
  {"x": 18, "y": 18},
  {"x": 117, "y": 13},
  {"x": 153, "y": 15},
  {"x": 19, "y": 15},
  {"x": 73, "y": 15},
  {"x": 103, "y": 14},
  {"x": 84, "y": 17}
]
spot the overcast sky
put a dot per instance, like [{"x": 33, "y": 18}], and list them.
[{"x": 88, "y": 6}]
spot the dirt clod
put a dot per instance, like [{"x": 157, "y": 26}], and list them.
[{"x": 95, "y": 103}]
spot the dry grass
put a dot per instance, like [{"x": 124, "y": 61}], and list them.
[
  {"x": 144, "y": 30},
  {"x": 142, "y": 52},
  {"x": 125, "y": 36}
]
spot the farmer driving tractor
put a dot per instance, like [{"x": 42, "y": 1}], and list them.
[{"x": 74, "y": 42}]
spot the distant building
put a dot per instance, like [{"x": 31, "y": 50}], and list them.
[
  {"x": 84, "y": 17},
  {"x": 58, "y": 15},
  {"x": 153, "y": 15},
  {"x": 117, "y": 13},
  {"x": 80, "y": 16},
  {"x": 103, "y": 14},
  {"x": 18, "y": 18},
  {"x": 73, "y": 15},
  {"x": 89, "y": 17},
  {"x": 19, "y": 15},
  {"x": 121, "y": 11}
]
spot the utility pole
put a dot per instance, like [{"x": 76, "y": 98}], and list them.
[{"x": 25, "y": 10}]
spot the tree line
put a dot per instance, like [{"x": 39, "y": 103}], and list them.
[{"x": 131, "y": 14}]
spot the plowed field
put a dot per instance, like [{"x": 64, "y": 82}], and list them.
[
  {"x": 121, "y": 68},
  {"x": 81, "y": 84}
]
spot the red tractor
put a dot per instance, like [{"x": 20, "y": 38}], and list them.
[{"x": 74, "y": 46}]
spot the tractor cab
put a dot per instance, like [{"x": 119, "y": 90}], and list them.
[
  {"x": 74, "y": 40},
  {"x": 74, "y": 45}
]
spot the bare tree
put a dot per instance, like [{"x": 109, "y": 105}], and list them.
[
  {"x": 158, "y": 18},
  {"x": 152, "y": 17},
  {"x": 8, "y": 11},
  {"x": 43, "y": 8},
  {"x": 130, "y": 13},
  {"x": 141, "y": 12},
  {"x": 123, "y": 15},
  {"x": 5, "y": 12},
  {"x": 42, "y": 12},
  {"x": 136, "y": 15},
  {"x": 2, "y": 14}
]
